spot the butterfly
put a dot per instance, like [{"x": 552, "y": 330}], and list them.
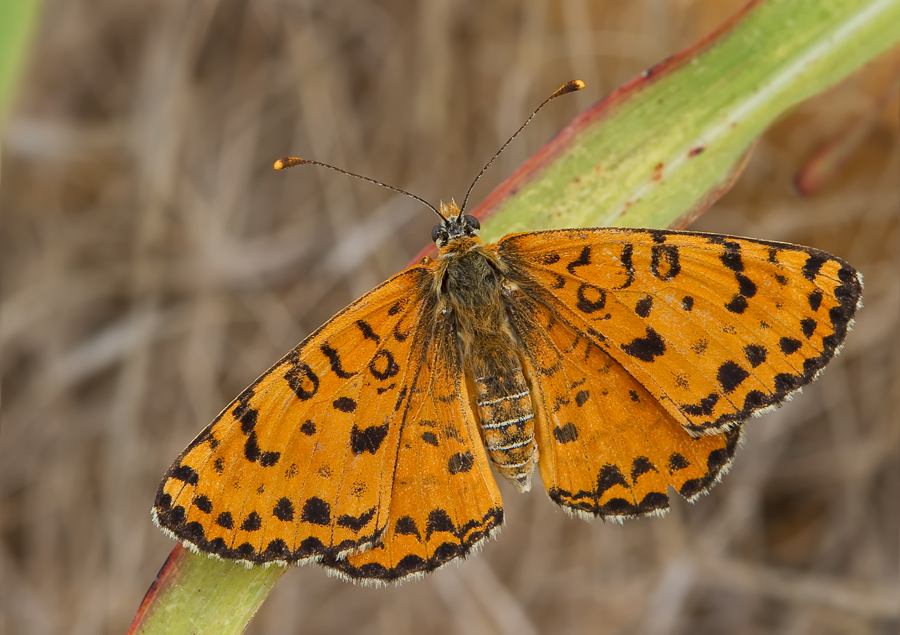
[{"x": 616, "y": 362}]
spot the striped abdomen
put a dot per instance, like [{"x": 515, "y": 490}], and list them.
[{"x": 507, "y": 422}]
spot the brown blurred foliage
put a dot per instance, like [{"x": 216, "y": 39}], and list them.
[{"x": 153, "y": 264}]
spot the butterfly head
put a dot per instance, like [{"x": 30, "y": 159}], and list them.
[{"x": 454, "y": 225}]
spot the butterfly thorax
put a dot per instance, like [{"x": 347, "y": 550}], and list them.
[{"x": 470, "y": 290}]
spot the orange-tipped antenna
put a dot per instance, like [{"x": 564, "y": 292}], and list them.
[
  {"x": 565, "y": 89},
  {"x": 289, "y": 162}
]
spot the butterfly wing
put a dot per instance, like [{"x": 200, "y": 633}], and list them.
[
  {"x": 301, "y": 464},
  {"x": 607, "y": 447},
  {"x": 715, "y": 328},
  {"x": 445, "y": 500}
]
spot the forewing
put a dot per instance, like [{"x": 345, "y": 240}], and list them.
[
  {"x": 715, "y": 328},
  {"x": 607, "y": 447},
  {"x": 445, "y": 500},
  {"x": 301, "y": 464}
]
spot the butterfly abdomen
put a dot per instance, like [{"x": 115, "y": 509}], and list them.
[{"x": 507, "y": 424}]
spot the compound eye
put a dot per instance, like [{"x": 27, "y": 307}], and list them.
[
  {"x": 472, "y": 222},
  {"x": 436, "y": 232}
]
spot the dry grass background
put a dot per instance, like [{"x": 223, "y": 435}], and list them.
[{"x": 153, "y": 264}]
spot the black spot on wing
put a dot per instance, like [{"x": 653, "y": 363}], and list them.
[
  {"x": 646, "y": 348},
  {"x": 252, "y": 522},
  {"x": 746, "y": 286},
  {"x": 731, "y": 257},
  {"x": 203, "y": 503},
  {"x": 581, "y": 397},
  {"x": 309, "y": 547},
  {"x": 284, "y": 509},
  {"x": 789, "y": 345},
  {"x": 785, "y": 383},
  {"x": 397, "y": 307},
  {"x": 641, "y": 465},
  {"x": 460, "y": 462},
  {"x": 813, "y": 265},
  {"x": 730, "y": 376},
  {"x": 406, "y": 526},
  {"x": 687, "y": 303},
  {"x": 628, "y": 265},
  {"x": 344, "y": 404},
  {"x": 335, "y": 360},
  {"x": 566, "y": 433},
  {"x": 755, "y": 354},
  {"x": 368, "y": 440},
  {"x": 549, "y": 259},
  {"x": 277, "y": 550},
  {"x": 163, "y": 502},
  {"x": 664, "y": 262},
  {"x": 677, "y": 462},
  {"x": 247, "y": 416},
  {"x": 251, "y": 448},
  {"x": 186, "y": 474},
  {"x": 430, "y": 438},
  {"x": 308, "y": 428},
  {"x": 356, "y": 523},
  {"x": 383, "y": 365},
  {"x": 652, "y": 502},
  {"x": 704, "y": 408},
  {"x": 808, "y": 326},
  {"x": 194, "y": 532},
  {"x": 438, "y": 520},
  {"x": 815, "y": 300},
  {"x": 584, "y": 258},
  {"x": 316, "y": 511},
  {"x": 225, "y": 520},
  {"x": 254, "y": 454},
  {"x": 755, "y": 400},
  {"x": 268, "y": 459},
  {"x": 302, "y": 380},
  {"x": 590, "y": 298},
  {"x": 737, "y": 304},
  {"x": 367, "y": 331},
  {"x": 398, "y": 335},
  {"x": 609, "y": 476},
  {"x": 643, "y": 306}
]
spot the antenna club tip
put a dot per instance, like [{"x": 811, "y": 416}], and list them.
[
  {"x": 569, "y": 87},
  {"x": 288, "y": 162}
]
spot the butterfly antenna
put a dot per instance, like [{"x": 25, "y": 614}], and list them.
[
  {"x": 290, "y": 162},
  {"x": 568, "y": 87}
]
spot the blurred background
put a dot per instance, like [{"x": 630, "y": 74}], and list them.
[{"x": 152, "y": 264}]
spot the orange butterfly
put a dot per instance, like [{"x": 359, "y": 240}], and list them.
[{"x": 620, "y": 362}]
